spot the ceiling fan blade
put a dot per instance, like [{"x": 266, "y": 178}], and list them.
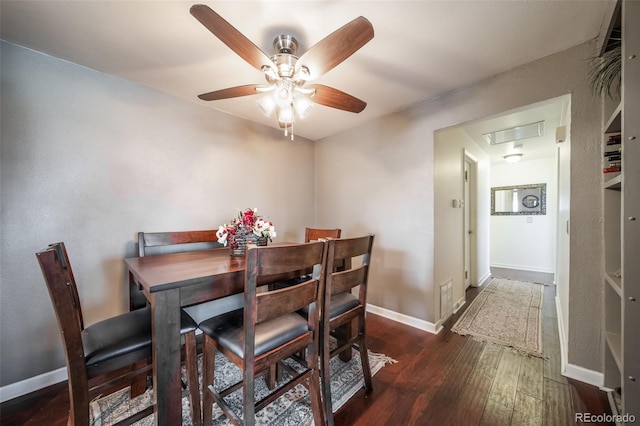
[
  {"x": 336, "y": 47},
  {"x": 230, "y": 36},
  {"x": 334, "y": 98},
  {"x": 231, "y": 92}
]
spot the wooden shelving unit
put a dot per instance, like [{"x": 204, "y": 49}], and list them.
[{"x": 621, "y": 227}]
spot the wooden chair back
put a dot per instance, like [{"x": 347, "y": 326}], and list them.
[
  {"x": 263, "y": 263},
  {"x": 312, "y": 234},
  {"x": 174, "y": 242},
  {"x": 56, "y": 270},
  {"x": 339, "y": 281},
  {"x": 153, "y": 243}
]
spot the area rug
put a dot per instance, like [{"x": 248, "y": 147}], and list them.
[
  {"x": 293, "y": 408},
  {"x": 506, "y": 313}
]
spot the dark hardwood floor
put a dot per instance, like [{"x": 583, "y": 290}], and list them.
[
  {"x": 443, "y": 379},
  {"x": 448, "y": 379}
]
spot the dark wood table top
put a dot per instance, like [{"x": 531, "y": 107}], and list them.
[{"x": 166, "y": 271}]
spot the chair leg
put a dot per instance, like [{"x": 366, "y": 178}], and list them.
[
  {"x": 316, "y": 398},
  {"x": 364, "y": 357},
  {"x": 326, "y": 381},
  {"x": 249, "y": 399},
  {"x": 191, "y": 363},
  {"x": 139, "y": 385},
  {"x": 208, "y": 364},
  {"x": 343, "y": 334},
  {"x": 272, "y": 376}
]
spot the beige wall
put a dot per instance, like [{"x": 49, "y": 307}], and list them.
[
  {"x": 382, "y": 176},
  {"x": 91, "y": 160}
]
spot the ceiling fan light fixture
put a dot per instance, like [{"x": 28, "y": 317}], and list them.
[
  {"x": 270, "y": 72},
  {"x": 282, "y": 95},
  {"x": 266, "y": 105},
  {"x": 285, "y": 115},
  {"x": 302, "y": 105},
  {"x": 302, "y": 74},
  {"x": 513, "y": 158}
]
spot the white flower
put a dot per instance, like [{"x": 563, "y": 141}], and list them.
[
  {"x": 222, "y": 234},
  {"x": 260, "y": 227}
]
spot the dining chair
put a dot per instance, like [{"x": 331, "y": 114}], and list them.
[
  {"x": 267, "y": 330},
  {"x": 106, "y": 356},
  {"x": 312, "y": 234},
  {"x": 341, "y": 308}
]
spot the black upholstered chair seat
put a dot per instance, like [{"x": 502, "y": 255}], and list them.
[
  {"x": 117, "y": 341},
  {"x": 340, "y": 303},
  {"x": 228, "y": 330}
]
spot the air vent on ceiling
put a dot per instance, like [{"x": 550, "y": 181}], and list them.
[{"x": 515, "y": 133}]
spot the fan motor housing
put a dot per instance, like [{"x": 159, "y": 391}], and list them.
[
  {"x": 285, "y": 44},
  {"x": 285, "y": 58}
]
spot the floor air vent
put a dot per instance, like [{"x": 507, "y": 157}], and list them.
[{"x": 446, "y": 300}]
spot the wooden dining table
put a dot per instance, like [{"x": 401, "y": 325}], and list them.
[{"x": 169, "y": 282}]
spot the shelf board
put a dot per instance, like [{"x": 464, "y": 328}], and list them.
[
  {"x": 614, "y": 341},
  {"x": 614, "y": 282},
  {"x": 614, "y": 183},
  {"x": 614, "y": 124}
]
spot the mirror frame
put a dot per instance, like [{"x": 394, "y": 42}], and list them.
[{"x": 543, "y": 200}]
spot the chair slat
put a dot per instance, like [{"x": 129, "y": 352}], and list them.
[
  {"x": 346, "y": 280},
  {"x": 274, "y": 303}
]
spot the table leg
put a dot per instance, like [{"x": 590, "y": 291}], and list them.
[
  {"x": 167, "y": 385},
  {"x": 343, "y": 335}
]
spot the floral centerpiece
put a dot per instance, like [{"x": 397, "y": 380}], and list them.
[{"x": 247, "y": 228}]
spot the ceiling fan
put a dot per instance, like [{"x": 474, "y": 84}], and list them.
[{"x": 287, "y": 74}]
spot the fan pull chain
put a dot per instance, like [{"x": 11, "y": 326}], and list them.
[{"x": 286, "y": 130}]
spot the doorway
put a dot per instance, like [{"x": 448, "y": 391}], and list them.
[{"x": 466, "y": 246}]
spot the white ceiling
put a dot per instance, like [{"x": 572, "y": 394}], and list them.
[
  {"x": 554, "y": 114},
  {"x": 421, "y": 49}
]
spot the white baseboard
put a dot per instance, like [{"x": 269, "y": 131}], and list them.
[
  {"x": 405, "y": 319},
  {"x": 486, "y": 277},
  {"x": 459, "y": 304},
  {"x": 584, "y": 375},
  {"x": 572, "y": 371},
  {"x": 523, "y": 268},
  {"x": 32, "y": 384}
]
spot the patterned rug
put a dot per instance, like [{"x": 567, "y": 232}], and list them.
[
  {"x": 293, "y": 408},
  {"x": 506, "y": 313}
]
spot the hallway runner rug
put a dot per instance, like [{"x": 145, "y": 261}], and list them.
[
  {"x": 293, "y": 408},
  {"x": 506, "y": 313}
]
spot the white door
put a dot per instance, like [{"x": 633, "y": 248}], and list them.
[{"x": 468, "y": 228}]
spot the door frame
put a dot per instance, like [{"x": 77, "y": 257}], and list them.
[{"x": 470, "y": 219}]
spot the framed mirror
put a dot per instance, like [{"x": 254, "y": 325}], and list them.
[{"x": 519, "y": 200}]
